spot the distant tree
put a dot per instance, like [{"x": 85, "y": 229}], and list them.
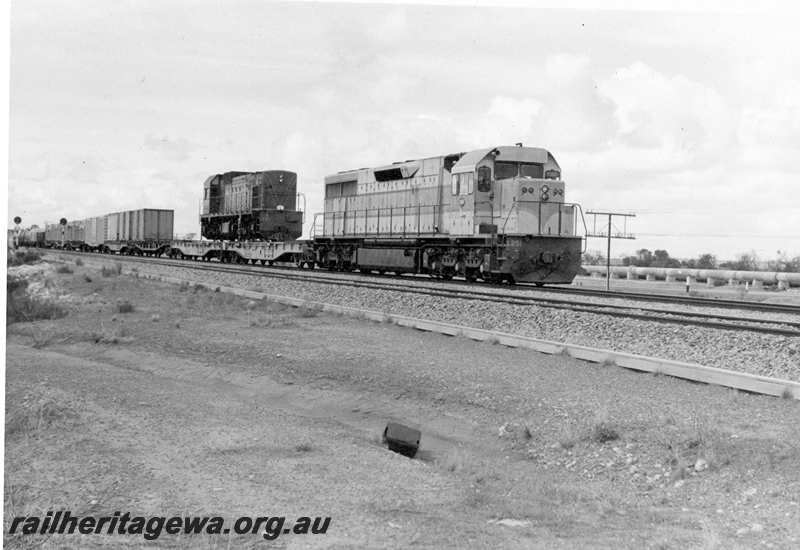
[
  {"x": 706, "y": 261},
  {"x": 644, "y": 257},
  {"x": 747, "y": 261},
  {"x": 593, "y": 257}
]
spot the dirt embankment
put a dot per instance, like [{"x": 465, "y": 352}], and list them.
[{"x": 163, "y": 400}]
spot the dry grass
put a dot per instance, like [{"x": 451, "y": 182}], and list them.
[
  {"x": 22, "y": 307},
  {"x": 281, "y": 321},
  {"x": 111, "y": 271},
  {"x": 21, "y": 257},
  {"x": 64, "y": 269},
  {"x": 698, "y": 443},
  {"x": 598, "y": 429},
  {"x": 308, "y": 310},
  {"x": 78, "y": 262},
  {"x": 119, "y": 333},
  {"x": 32, "y": 414},
  {"x": 457, "y": 460}
]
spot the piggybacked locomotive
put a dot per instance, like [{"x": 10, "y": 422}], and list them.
[
  {"x": 495, "y": 214},
  {"x": 251, "y": 206}
]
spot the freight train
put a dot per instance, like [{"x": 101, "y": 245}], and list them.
[
  {"x": 495, "y": 214},
  {"x": 146, "y": 231}
]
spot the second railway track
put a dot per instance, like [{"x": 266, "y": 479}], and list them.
[{"x": 652, "y": 314}]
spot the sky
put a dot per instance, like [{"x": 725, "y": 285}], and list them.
[{"x": 690, "y": 120}]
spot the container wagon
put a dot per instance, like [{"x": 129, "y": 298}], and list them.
[{"x": 145, "y": 231}]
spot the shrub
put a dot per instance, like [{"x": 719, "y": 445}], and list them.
[
  {"x": 22, "y": 307},
  {"x": 603, "y": 432},
  {"x": 20, "y": 257},
  {"x": 306, "y": 311},
  {"x": 79, "y": 262},
  {"x": 112, "y": 271},
  {"x": 64, "y": 269}
]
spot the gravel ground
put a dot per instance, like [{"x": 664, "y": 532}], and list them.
[
  {"x": 198, "y": 402},
  {"x": 769, "y": 355}
]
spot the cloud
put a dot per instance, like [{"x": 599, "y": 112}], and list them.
[
  {"x": 667, "y": 122},
  {"x": 176, "y": 149}
]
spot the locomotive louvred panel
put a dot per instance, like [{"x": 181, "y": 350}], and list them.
[{"x": 396, "y": 171}]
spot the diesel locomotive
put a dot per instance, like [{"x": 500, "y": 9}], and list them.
[
  {"x": 251, "y": 206},
  {"x": 496, "y": 214}
]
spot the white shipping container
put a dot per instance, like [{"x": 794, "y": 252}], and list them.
[
  {"x": 113, "y": 226},
  {"x": 96, "y": 230}
]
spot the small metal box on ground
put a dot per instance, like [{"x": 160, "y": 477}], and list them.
[{"x": 402, "y": 439}]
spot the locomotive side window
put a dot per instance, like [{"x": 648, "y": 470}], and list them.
[
  {"x": 531, "y": 170},
  {"x": 505, "y": 170},
  {"x": 349, "y": 188},
  {"x": 333, "y": 190},
  {"x": 466, "y": 184},
  {"x": 484, "y": 179},
  {"x": 455, "y": 182}
]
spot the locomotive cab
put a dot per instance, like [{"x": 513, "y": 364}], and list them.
[{"x": 516, "y": 191}]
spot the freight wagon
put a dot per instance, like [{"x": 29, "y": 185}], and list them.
[
  {"x": 495, "y": 214},
  {"x": 67, "y": 236},
  {"x": 143, "y": 231}
]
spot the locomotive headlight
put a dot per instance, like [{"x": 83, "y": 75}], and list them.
[
  {"x": 545, "y": 189},
  {"x": 531, "y": 190},
  {"x": 524, "y": 190}
]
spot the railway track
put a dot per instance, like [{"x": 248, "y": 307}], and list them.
[
  {"x": 677, "y": 299},
  {"x": 652, "y": 314}
]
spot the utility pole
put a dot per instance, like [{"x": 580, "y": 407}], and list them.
[
  {"x": 17, "y": 221},
  {"x": 63, "y": 223},
  {"x": 608, "y": 235}
]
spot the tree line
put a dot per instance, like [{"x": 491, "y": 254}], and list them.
[{"x": 746, "y": 261}]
